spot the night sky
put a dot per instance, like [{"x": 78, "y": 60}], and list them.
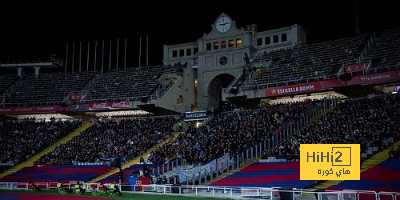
[{"x": 35, "y": 30}]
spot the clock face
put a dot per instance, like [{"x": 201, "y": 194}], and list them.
[
  {"x": 223, "y": 60},
  {"x": 223, "y": 24}
]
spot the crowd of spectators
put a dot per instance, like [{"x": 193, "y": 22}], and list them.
[
  {"x": 21, "y": 139},
  {"x": 230, "y": 132},
  {"x": 366, "y": 121},
  {"x": 109, "y": 139}
]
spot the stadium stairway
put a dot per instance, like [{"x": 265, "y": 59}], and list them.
[
  {"x": 134, "y": 161},
  {"x": 30, "y": 161},
  {"x": 367, "y": 164}
]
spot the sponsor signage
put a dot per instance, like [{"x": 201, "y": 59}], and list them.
[
  {"x": 31, "y": 109},
  {"x": 109, "y": 105},
  {"x": 332, "y": 83},
  {"x": 375, "y": 78},
  {"x": 199, "y": 115},
  {"x": 293, "y": 89},
  {"x": 70, "y": 108}
]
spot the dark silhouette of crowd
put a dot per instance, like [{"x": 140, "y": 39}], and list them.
[
  {"x": 366, "y": 121},
  {"x": 21, "y": 139},
  {"x": 230, "y": 132},
  {"x": 110, "y": 139}
]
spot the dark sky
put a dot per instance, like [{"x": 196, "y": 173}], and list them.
[{"x": 39, "y": 30}]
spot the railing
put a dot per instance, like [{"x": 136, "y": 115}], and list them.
[
  {"x": 341, "y": 70},
  {"x": 216, "y": 191},
  {"x": 226, "y": 90},
  {"x": 7, "y": 92},
  {"x": 285, "y": 83},
  {"x": 366, "y": 70},
  {"x": 160, "y": 93},
  {"x": 150, "y": 97},
  {"x": 84, "y": 91},
  {"x": 367, "y": 46}
]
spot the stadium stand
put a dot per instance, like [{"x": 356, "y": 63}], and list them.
[
  {"x": 47, "y": 87},
  {"x": 109, "y": 139},
  {"x": 309, "y": 62},
  {"x": 23, "y": 138},
  {"x": 366, "y": 121},
  {"x": 369, "y": 121},
  {"x": 6, "y": 81},
  {"x": 385, "y": 51},
  {"x": 126, "y": 84}
]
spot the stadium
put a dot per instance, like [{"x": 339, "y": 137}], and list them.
[{"x": 220, "y": 115}]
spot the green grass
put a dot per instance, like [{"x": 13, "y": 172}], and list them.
[{"x": 126, "y": 196}]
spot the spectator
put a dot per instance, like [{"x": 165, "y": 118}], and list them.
[{"x": 108, "y": 139}]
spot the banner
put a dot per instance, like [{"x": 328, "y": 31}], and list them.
[
  {"x": 199, "y": 115},
  {"x": 356, "y": 67},
  {"x": 293, "y": 89},
  {"x": 332, "y": 83},
  {"x": 219, "y": 164},
  {"x": 195, "y": 172},
  {"x": 70, "y": 108},
  {"x": 76, "y": 97},
  {"x": 375, "y": 78},
  {"x": 223, "y": 162},
  {"x": 31, "y": 109},
  {"x": 108, "y": 105}
]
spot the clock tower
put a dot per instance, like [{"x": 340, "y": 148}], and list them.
[
  {"x": 217, "y": 59},
  {"x": 223, "y": 24}
]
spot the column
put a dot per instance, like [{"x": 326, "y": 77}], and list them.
[
  {"x": 37, "y": 71},
  {"x": 19, "y": 72}
]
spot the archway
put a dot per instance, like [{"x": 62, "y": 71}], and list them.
[{"x": 214, "y": 89}]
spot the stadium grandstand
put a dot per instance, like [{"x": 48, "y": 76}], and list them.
[{"x": 223, "y": 116}]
